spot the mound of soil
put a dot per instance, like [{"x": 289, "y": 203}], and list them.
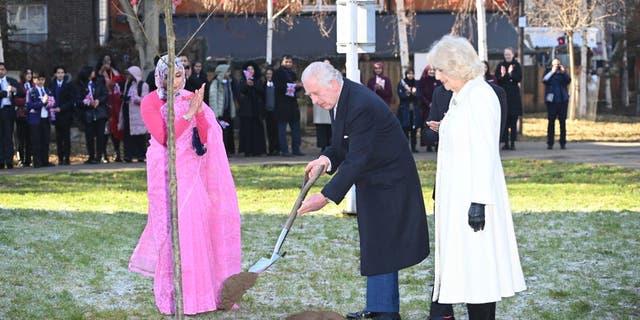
[{"x": 235, "y": 287}]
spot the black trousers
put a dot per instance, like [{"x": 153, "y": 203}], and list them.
[
  {"x": 510, "y": 129},
  {"x": 63, "y": 141},
  {"x": 484, "y": 311},
  {"x": 412, "y": 135},
  {"x": 557, "y": 111},
  {"x": 40, "y": 137},
  {"x": 272, "y": 132},
  {"x": 23, "y": 141},
  {"x": 228, "y": 136},
  {"x": 94, "y": 134},
  {"x": 7, "y": 119}
]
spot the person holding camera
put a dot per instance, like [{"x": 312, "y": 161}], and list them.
[{"x": 556, "y": 97}]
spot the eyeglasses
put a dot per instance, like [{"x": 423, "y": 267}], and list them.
[{"x": 187, "y": 68}]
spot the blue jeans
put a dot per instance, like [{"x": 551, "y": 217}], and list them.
[
  {"x": 295, "y": 135},
  {"x": 382, "y": 293}
]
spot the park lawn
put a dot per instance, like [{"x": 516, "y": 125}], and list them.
[{"x": 66, "y": 239}]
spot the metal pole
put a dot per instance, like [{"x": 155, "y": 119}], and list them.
[
  {"x": 269, "y": 31},
  {"x": 353, "y": 74},
  {"x": 521, "y": 56}
]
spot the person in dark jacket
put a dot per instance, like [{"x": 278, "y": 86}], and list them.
[
  {"x": 64, "y": 97},
  {"x": 269, "y": 117},
  {"x": 251, "y": 110},
  {"x": 408, "y": 111},
  {"x": 9, "y": 90},
  {"x": 556, "y": 95},
  {"x": 365, "y": 151},
  {"x": 428, "y": 83},
  {"x": 287, "y": 112},
  {"x": 40, "y": 113},
  {"x": 92, "y": 97},
  {"x": 509, "y": 74}
]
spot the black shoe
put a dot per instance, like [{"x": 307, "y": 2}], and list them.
[
  {"x": 298, "y": 153},
  {"x": 118, "y": 159},
  {"x": 506, "y": 147},
  {"x": 66, "y": 162},
  {"x": 286, "y": 154},
  {"x": 48, "y": 164},
  {"x": 128, "y": 160},
  {"x": 549, "y": 146},
  {"x": 9, "y": 165},
  {"x": 414, "y": 150},
  {"x": 429, "y": 149},
  {"x": 513, "y": 146},
  {"x": 562, "y": 146},
  {"x": 142, "y": 160},
  {"x": 374, "y": 315}
]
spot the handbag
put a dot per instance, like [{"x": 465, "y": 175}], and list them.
[{"x": 200, "y": 148}]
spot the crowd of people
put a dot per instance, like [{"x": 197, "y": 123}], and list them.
[{"x": 260, "y": 105}]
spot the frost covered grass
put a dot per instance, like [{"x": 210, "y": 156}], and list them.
[{"x": 65, "y": 241}]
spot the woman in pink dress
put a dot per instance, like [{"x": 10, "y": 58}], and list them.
[{"x": 208, "y": 213}]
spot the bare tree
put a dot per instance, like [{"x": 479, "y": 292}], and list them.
[
  {"x": 401, "y": 16},
  {"x": 466, "y": 23},
  {"x": 570, "y": 16},
  {"x": 145, "y": 31}
]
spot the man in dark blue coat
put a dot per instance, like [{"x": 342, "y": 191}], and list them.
[
  {"x": 556, "y": 97},
  {"x": 369, "y": 149}
]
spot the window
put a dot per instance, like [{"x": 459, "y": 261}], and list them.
[
  {"x": 27, "y": 22},
  {"x": 328, "y": 5}
]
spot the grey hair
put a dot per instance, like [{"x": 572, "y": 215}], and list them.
[
  {"x": 455, "y": 57},
  {"x": 323, "y": 72}
]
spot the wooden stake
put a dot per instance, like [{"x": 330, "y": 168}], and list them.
[{"x": 171, "y": 144}]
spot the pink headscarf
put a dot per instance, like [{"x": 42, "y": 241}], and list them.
[{"x": 162, "y": 74}]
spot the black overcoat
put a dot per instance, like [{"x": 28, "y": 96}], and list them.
[
  {"x": 510, "y": 83},
  {"x": 370, "y": 150},
  {"x": 286, "y": 106}
]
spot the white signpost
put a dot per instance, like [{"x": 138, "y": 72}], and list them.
[{"x": 355, "y": 33}]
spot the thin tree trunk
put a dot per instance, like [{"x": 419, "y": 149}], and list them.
[
  {"x": 605, "y": 75},
  {"x": 625, "y": 65},
  {"x": 482, "y": 31},
  {"x": 1, "y": 47},
  {"x": 573, "y": 86},
  {"x": 402, "y": 35},
  {"x": 582, "y": 110},
  {"x": 171, "y": 144},
  {"x": 152, "y": 29}
]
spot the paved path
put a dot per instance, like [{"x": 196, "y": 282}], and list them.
[{"x": 626, "y": 154}]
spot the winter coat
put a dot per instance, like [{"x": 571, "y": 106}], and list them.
[
  {"x": 369, "y": 149},
  {"x": 510, "y": 84},
  {"x": 484, "y": 266}
]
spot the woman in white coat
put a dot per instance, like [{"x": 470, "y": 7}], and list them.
[{"x": 476, "y": 254}]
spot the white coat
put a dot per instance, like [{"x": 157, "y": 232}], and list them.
[{"x": 484, "y": 266}]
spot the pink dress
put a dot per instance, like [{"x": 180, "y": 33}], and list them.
[{"x": 208, "y": 214}]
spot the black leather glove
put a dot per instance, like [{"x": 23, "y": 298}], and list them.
[{"x": 476, "y": 216}]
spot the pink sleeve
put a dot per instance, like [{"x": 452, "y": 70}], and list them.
[
  {"x": 152, "y": 117},
  {"x": 203, "y": 126}
]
